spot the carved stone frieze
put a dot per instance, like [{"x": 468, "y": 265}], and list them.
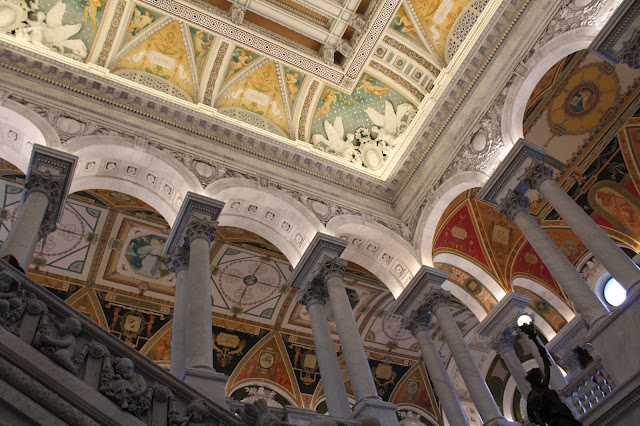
[
  {"x": 571, "y": 15},
  {"x": 68, "y": 125},
  {"x": 42, "y": 395},
  {"x": 236, "y": 13}
]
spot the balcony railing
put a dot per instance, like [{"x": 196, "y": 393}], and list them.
[{"x": 588, "y": 389}]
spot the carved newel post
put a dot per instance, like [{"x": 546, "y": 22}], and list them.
[
  {"x": 194, "y": 230},
  {"x": 322, "y": 259},
  {"x": 418, "y": 323},
  {"x": 540, "y": 177},
  {"x": 45, "y": 191},
  {"x": 314, "y": 297}
]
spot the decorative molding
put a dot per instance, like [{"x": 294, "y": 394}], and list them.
[
  {"x": 425, "y": 277},
  {"x": 197, "y": 218},
  {"x": 535, "y": 174},
  {"x": 511, "y": 204}
]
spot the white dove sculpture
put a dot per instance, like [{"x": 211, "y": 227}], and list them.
[
  {"x": 390, "y": 125},
  {"x": 48, "y": 31},
  {"x": 335, "y": 141}
]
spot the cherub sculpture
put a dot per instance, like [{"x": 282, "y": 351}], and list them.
[
  {"x": 119, "y": 381},
  {"x": 60, "y": 349},
  {"x": 9, "y": 293},
  {"x": 544, "y": 406},
  {"x": 48, "y": 31}
]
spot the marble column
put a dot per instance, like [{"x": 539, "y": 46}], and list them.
[
  {"x": 515, "y": 206},
  {"x": 314, "y": 297},
  {"x": 503, "y": 344},
  {"x": 418, "y": 323},
  {"x": 538, "y": 176},
  {"x": 45, "y": 191},
  {"x": 194, "y": 230},
  {"x": 180, "y": 266},
  {"x": 437, "y": 301},
  {"x": 321, "y": 259},
  {"x": 352, "y": 348}
]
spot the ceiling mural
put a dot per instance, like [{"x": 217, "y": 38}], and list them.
[{"x": 357, "y": 122}]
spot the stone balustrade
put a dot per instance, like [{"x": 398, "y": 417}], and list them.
[
  {"x": 47, "y": 345},
  {"x": 588, "y": 389}
]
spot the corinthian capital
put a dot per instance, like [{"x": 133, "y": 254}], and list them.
[
  {"x": 179, "y": 258},
  {"x": 511, "y": 204},
  {"x": 333, "y": 266},
  {"x": 418, "y": 319},
  {"x": 504, "y": 342},
  {"x": 535, "y": 174},
  {"x": 44, "y": 182},
  {"x": 436, "y": 298},
  {"x": 200, "y": 228},
  {"x": 314, "y": 292}
]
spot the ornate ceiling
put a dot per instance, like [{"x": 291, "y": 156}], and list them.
[{"x": 341, "y": 80}]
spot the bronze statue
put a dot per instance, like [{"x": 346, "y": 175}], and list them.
[{"x": 544, "y": 406}]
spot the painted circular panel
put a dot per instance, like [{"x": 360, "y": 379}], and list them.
[
  {"x": 146, "y": 256},
  {"x": 582, "y": 100},
  {"x": 586, "y": 100},
  {"x": 249, "y": 282}
]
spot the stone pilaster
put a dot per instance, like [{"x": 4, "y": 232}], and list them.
[{"x": 46, "y": 188}]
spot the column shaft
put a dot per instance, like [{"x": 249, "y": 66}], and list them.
[
  {"x": 592, "y": 235},
  {"x": 352, "y": 347},
  {"x": 517, "y": 370},
  {"x": 579, "y": 292},
  {"x": 25, "y": 233},
  {"x": 482, "y": 398},
  {"x": 200, "y": 337},
  {"x": 180, "y": 317},
  {"x": 440, "y": 378},
  {"x": 332, "y": 381}
]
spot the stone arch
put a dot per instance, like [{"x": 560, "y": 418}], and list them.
[
  {"x": 378, "y": 249},
  {"x": 272, "y": 214},
  {"x": 28, "y": 128},
  {"x": 430, "y": 217},
  {"x": 541, "y": 61},
  {"x": 152, "y": 176},
  {"x": 476, "y": 271}
]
